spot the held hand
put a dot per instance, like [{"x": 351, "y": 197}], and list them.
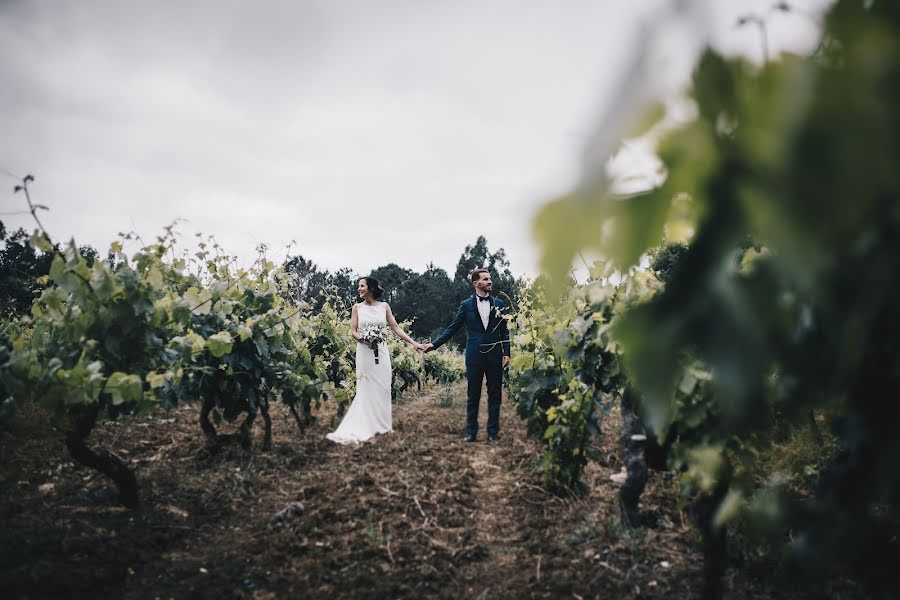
[
  {"x": 418, "y": 347},
  {"x": 505, "y": 360},
  {"x": 429, "y": 347}
]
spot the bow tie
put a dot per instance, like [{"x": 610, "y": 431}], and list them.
[{"x": 485, "y": 298}]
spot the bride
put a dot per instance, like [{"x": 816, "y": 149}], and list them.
[{"x": 370, "y": 411}]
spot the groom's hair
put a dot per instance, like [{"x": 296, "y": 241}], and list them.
[{"x": 476, "y": 274}]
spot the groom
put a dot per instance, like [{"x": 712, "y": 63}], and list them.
[{"x": 487, "y": 351}]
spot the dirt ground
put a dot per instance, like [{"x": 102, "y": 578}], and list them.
[{"x": 417, "y": 513}]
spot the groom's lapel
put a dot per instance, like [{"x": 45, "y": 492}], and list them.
[
  {"x": 491, "y": 315},
  {"x": 478, "y": 322}
]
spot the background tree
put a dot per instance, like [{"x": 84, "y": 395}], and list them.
[
  {"x": 23, "y": 270},
  {"x": 479, "y": 256},
  {"x": 666, "y": 260},
  {"x": 428, "y": 299},
  {"x": 391, "y": 277},
  {"x": 344, "y": 282},
  {"x": 306, "y": 279},
  {"x": 308, "y": 282}
]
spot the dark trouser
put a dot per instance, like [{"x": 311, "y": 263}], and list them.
[{"x": 477, "y": 368}]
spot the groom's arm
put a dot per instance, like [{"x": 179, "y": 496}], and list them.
[{"x": 452, "y": 328}]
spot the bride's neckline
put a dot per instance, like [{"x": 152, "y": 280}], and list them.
[{"x": 372, "y": 305}]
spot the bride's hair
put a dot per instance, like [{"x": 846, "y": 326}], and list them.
[{"x": 374, "y": 287}]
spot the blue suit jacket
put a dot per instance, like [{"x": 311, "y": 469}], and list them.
[{"x": 493, "y": 341}]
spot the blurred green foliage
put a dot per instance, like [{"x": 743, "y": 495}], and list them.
[{"x": 801, "y": 157}]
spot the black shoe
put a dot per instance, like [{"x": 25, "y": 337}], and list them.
[
  {"x": 469, "y": 438},
  {"x": 493, "y": 439}
]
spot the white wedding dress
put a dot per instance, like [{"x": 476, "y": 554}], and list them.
[{"x": 370, "y": 411}]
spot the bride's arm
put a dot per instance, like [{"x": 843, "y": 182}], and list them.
[
  {"x": 354, "y": 325},
  {"x": 395, "y": 327}
]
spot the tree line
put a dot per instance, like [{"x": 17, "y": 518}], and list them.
[{"x": 427, "y": 299}]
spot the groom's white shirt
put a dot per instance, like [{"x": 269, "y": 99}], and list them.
[{"x": 484, "y": 309}]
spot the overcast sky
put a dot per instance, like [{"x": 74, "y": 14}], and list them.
[{"x": 367, "y": 131}]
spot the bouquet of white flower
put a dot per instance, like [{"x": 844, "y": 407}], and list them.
[{"x": 372, "y": 335}]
